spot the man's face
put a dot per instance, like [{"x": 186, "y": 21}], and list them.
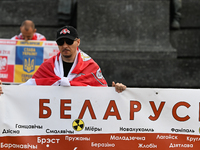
[
  {"x": 27, "y": 34},
  {"x": 68, "y": 51}
]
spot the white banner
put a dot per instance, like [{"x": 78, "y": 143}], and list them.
[{"x": 45, "y": 117}]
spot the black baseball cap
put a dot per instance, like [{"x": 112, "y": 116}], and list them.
[{"x": 68, "y": 32}]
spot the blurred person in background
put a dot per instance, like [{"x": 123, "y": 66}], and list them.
[{"x": 28, "y": 32}]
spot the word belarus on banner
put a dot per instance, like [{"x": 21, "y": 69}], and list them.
[
  {"x": 48, "y": 118},
  {"x": 19, "y": 60}
]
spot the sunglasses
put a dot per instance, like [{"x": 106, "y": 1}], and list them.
[{"x": 60, "y": 42}]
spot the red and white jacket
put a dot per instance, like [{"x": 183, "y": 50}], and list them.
[
  {"x": 84, "y": 72},
  {"x": 36, "y": 36}
]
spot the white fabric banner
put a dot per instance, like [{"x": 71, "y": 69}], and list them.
[{"x": 47, "y": 117}]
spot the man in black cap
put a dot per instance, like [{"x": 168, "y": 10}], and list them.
[{"x": 71, "y": 66}]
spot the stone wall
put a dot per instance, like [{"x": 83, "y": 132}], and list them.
[
  {"x": 132, "y": 41},
  {"x": 130, "y": 28}
]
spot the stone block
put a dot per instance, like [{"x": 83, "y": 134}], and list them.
[
  {"x": 186, "y": 42},
  {"x": 190, "y": 14},
  {"x": 129, "y": 28},
  {"x": 152, "y": 73}
]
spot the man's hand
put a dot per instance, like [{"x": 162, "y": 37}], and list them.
[
  {"x": 119, "y": 87},
  {"x": 1, "y": 92}
]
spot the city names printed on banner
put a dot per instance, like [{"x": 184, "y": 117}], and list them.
[{"x": 92, "y": 141}]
